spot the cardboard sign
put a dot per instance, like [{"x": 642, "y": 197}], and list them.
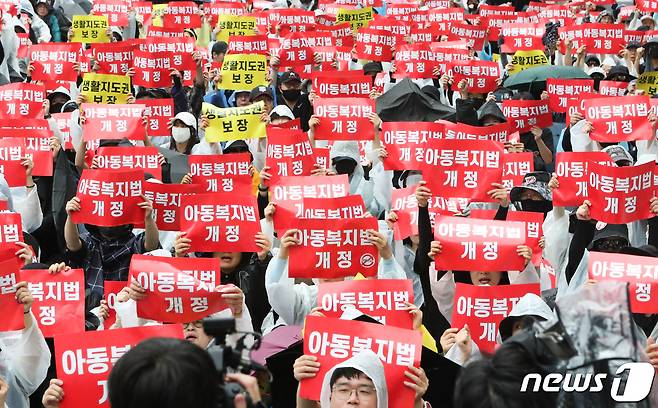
[
  {"x": 619, "y": 119},
  {"x": 484, "y": 307},
  {"x": 289, "y": 153},
  {"x": 560, "y": 91},
  {"x": 220, "y": 222},
  {"x": 105, "y": 88},
  {"x": 225, "y": 173},
  {"x": 381, "y": 299},
  {"x": 84, "y": 360},
  {"x": 344, "y": 119},
  {"x": 109, "y": 198},
  {"x": 640, "y": 272},
  {"x": 333, "y": 341},
  {"x": 476, "y": 245},
  {"x": 22, "y": 100},
  {"x": 11, "y": 310},
  {"x": 54, "y": 61},
  {"x": 89, "y": 29},
  {"x": 113, "y": 121},
  {"x": 523, "y": 115},
  {"x": 144, "y": 158},
  {"x": 234, "y": 123},
  {"x": 175, "y": 289},
  {"x": 160, "y": 112},
  {"x": 572, "y": 170},
  {"x": 59, "y": 300}
]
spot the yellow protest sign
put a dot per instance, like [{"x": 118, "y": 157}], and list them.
[
  {"x": 244, "y": 71},
  {"x": 357, "y": 18},
  {"x": 234, "y": 123},
  {"x": 523, "y": 60},
  {"x": 105, "y": 88},
  {"x": 229, "y": 25},
  {"x": 90, "y": 29},
  {"x": 648, "y": 82},
  {"x": 157, "y": 12}
]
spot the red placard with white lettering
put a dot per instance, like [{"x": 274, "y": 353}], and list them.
[
  {"x": 63, "y": 123},
  {"x": 476, "y": 245},
  {"x": 59, "y": 300},
  {"x": 482, "y": 308},
  {"x": 152, "y": 68},
  {"x": 516, "y": 166},
  {"x": 54, "y": 61},
  {"x": 405, "y": 143},
  {"x": 344, "y": 119},
  {"x": 618, "y": 119},
  {"x": 481, "y": 76},
  {"x": 474, "y": 35},
  {"x": 560, "y": 91},
  {"x": 333, "y": 341},
  {"x": 463, "y": 168},
  {"x": 415, "y": 61},
  {"x": 289, "y": 153},
  {"x": 22, "y": 100},
  {"x": 11, "y": 232},
  {"x": 219, "y": 173},
  {"x": 14, "y": 173},
  {"x": 36, "y": 134},
  {"x": 12, "y": 149},
  {"x": 347, "y": 84},
  {"x": 115, "y": 10},
  {"x": 648, "y": 6},
  {"x": 350, "y": 206},
  {"x": 109, "y": 198},
  {"x": 113, "y": 121},
  {"x": 293, "y": 53},
  {"x": 24, "y": 44},
  {"x": 113, "y": 58},
  {"x": 461, "y": 131},
  {"x": 613, "y": 88},
  {"x": 181, "y": 15},
  {"x": 572, "y": 170},
  {"x": 523, "y": 115},
  {"x": 144, "y": 158},
  {"x": 333, "y": 250},
  {"x": 175, "y": 291},
  {"x": 597, "y": 38},
  {"x": 641, "y": 272},
  {"x": 159, "y": 113},
  {"x": 620, "y": 195},
  {"x": 405, "y": 206},
  {"x": 10, "y": 309},
  {"x": 220, "y": 222},
  {"x": 110, "y": 291},
  {"x": 84, "y": 360},
  {"x": 381, "y": 299},
  {"x": 523, "y": 37},
  {"x": 375, "y": 45},
  {"x": 289, "y": 192},
  {"x": 166, "y": 200},
  {"x": 247, "y": 44}
]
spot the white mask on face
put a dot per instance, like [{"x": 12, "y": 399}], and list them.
[{"x": 180, "y": 135}]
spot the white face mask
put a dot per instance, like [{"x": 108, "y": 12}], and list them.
[{"x": 180, "y": 135}]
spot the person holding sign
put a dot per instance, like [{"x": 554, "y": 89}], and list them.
[{"x": 184, "y": 138}]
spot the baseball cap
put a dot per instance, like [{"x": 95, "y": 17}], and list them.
[
  {"x": 529, "y": 305},
  {"x": 633, "y": 45},
  {"x": 536, "y": 181},
  {"x": 289, "y": 76},
  {"x": 373, "y": 67},
  {"x": 282, "y": 111},
  {"x": 618, "y": 153},
  {"x": 186, "y": 118},
  {"x": 259, "y": 91}
]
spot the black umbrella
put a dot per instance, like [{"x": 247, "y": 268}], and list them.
[{"x": 405, "y": 102}]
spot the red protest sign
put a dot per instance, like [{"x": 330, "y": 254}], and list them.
[
  {"x": 11, "y": 232},
  {"x": 620, "y": 195},
  {"x": 12, "y": 149},
  {"x": 474, "y": 35},
  {"x": 613, "y": 88},
  {"x": 247, "y": 44},
  {"x": 522, "y": 115},
  {"x": 522, "y": 37},
  {"x": 113, "y": 58},
  {"x": 22, "y": 100},
  {"x": 182, "y": 15},
  {"x": 333, "y": 341},
  {"x": 152, "y": 68},
  {"x": 24, "y": 44},
  {"x": 14, "y": 173},
  {"x": 110, "y": 291},
  {"x": 347, "y": 84},
  {"x": 350, "y": 206},
  {"x": 446, "y": 55},
  {"x": 405, "y": 206},
  {"x": 572, "y": 170},
  {"x": 482, "y": 308},
  {"x": 461, "y": 131},
  {"x": 10, "y": 309},
  {"x": 145, "y": 158},
  {"x": 159, "y": 113},
  {"x": 475, "y": 245},
  {"x": 481, "y": 76},
  {"x": 375, "y": 45},
  {"x": 641, "y": 272},
  {"x": 36, "y": 133},
  {"x": 334, "y": 250},
  {"x": 560, "y": 91},
  {"x": 463, "y": 168},
  {"x": 221, "y": 172},
  {"x": 344, "y": 119},
  {"x": 59, "y": 300},
  {"x": 220, "y": 222},
  {"x": 294, "y": 53},
  {"x": 166, "y": 199},
  {"x": 115, "y": 10},
  {"x": 381, "y": 299},
  {"x": 63, "y": 124},
  {"x": 113, "y": 121},
  {"x": 597, "y": 38},
  {"x": 54, "y": 61},
  {"x": 415, "y": 61},
  {"x": 405, "y": 143},
  {"x": 619, "y": 119},
  {"x": 84, "y": 360},
  {"x": 175, "y": 290},
  {"x": 515, "y": 167},
  {"x": 109, "y": 198},
  {"x": 289, "y": 153}
]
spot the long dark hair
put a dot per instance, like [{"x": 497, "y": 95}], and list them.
[{"x": 191, "y": 142}]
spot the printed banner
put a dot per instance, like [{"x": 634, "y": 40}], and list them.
[
  {"x": 105, "y": 88},
  {"x": 175, "y": 289},
  {"x": 344, "y": 119},
  {"x": 54, "y": 61},
  {"x": 220, "y": 222},
  {"x": 619, "y": 119},
  {"x": 84, "y": 360},
  {"x": 475, "y": 245},
  {"x": 89, "y": 29},
  {"x": 244, "y": 71},
  {"x": 482, "y": 308},
  {"x": 113, "y": 121},
  {"x": 641, "y": 272},
  {"x": 333, "y": 341},
  {"x": 10, "y": 309},
  {"x": 234, "y": 123},
  {"x": 223, "y": 173},
  {"x": 59, "y": 300},
  {"x": 560, "y": 91},
  {"x": 523, "y": 115},
  {"x": 109, "y": 198},
  {"x": 146, "y": 158},
  {"x": 160, "y": 112},
  {"x": 22, "y": 100},
  {"x": 572, "y": 170}
]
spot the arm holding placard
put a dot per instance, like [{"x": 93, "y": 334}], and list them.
[
  {"x": 151, "y": 234},
  {"x": 585, "y": 228},
  {"x": 54, "y": 394},
  {"x": 653, "y": 223},
  {"x": 26, "y": 202},
  {"x": 71, "y": 233}
]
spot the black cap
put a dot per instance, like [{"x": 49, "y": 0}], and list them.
[
  {"x": 373, "y": 67},
  {"x": 619, "y": 70},
  {"x": 644, "y": 250},
  {"x": 592, "y": 59},
  {"x": 260, "y": 91},
  {"x": 289, "y": 76},
  {"x": 633, "y": 45}
]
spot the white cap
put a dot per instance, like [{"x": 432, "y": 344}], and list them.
[
  {"x": 186, "y": 118},
  {"x": 283, "y": 111}
]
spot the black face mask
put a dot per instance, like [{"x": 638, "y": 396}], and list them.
[
  {"x": 345, "y": 167},
  {"x": 291, "y": 94},
  {"x": 541, "y": 206},
  {"x": 114, "y": 233}
]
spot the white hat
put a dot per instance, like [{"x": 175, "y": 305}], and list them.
[
  {"x": 283, "y": 111},
  {"x": 186, "y": 118}
]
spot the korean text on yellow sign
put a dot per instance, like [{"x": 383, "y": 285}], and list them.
[
  {"x": 90, "y": 29},
  {"x": 234, "y": 123},
  {"x": 648, "y": 82},
  {"x": 157, "y": 12},
  {"x": 105, "y": 88},
  {"x": 357, "y": 18},
  {"x": 523, "y": 60},
  {"x": 244, "y": 71},
  {"x": 229, "y": 25}
]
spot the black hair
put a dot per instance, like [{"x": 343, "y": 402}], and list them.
[
  {"x": 191, "y": 142},
  {"x": 523, "y": 96},
  {"x": 164, "y": 373},
  {"x": 345, "y": 372},
  {"x": 465, "y": 277}
]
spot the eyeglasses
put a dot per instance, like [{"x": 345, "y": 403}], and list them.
[
  {"x": 197, "y": 324},
  {"x": 363, "y": 393}
]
